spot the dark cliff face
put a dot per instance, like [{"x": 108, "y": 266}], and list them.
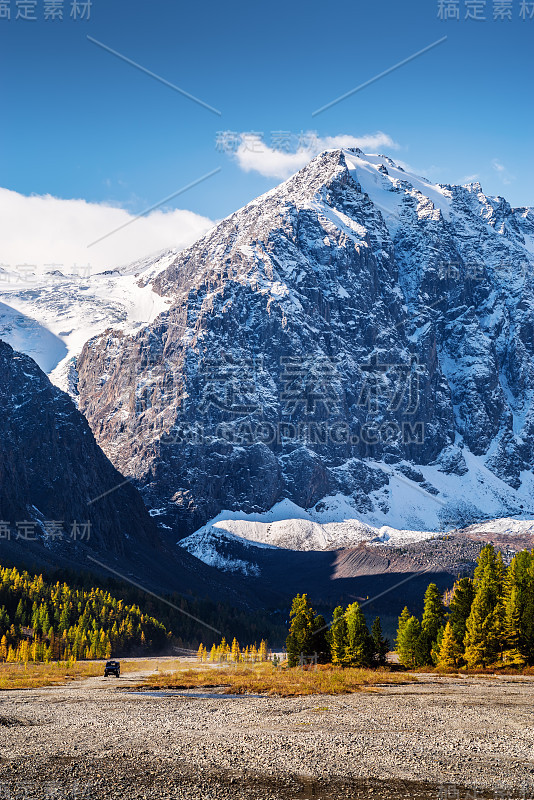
[
  {"x": 52, "y": 470},
  {"x": 53, "y": 474},
  {"x": 318, "y": 339}
]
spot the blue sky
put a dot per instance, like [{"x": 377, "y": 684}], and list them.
[{"x": 79, "y": 122}]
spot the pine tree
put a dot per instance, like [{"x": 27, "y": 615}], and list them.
[
  {"x": 527, "y": 620},
  {"x": 222, "y": 650},
  {"x": 20, "y": 615},
  {"x": 460, "y": 607},
  {"x": 380, "y": 645},
  {"x": 485, "y": 625},
  {"x": 35, "y": 616},
  {"x": 409, "y": 643},
  {"x": 436, "y": 645},
  {"x": 34, "y": 652},
  {"x": 300, "y": 641},
  {"x": 519, "y": 610},
  {"x": 338, "y": 637},
  {"x": 358, "y": 652},
  {"x": 450, "y": 651},
  {"x": 512, "y": 628},
  {"x": 403, "y": 621},
  {"x": 433, "y": 617},
  {"x": 102, "y": 644},
  {"x": 24, "y": 651},
  {"x": 320, "y": 644}
]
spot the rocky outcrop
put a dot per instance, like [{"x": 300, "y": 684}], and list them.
[
  {"x": 54, "y": 475},
  {"x": 62, "y": 503}
]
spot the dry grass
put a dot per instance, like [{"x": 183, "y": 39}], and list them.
[
  {"x": 265, "y": 679},
  {"x": 33, "y": 676},
  {"x": 148, "y": 665}
]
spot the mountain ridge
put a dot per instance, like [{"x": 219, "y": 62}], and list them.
[{"x": 406, "y": 305}]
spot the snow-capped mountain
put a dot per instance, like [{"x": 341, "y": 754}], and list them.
[
  {"x": 357, "y": 336},
  {"x": 50, "y": 314}
]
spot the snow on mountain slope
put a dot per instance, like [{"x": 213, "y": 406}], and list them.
[
  {"x": 228, "y": 542},
  {"x": 356, "y": 333},
  {"x": 329, "y": 526},
  {"x": 214, "y": 548},
  {"x": 28, "y": 336},
  {"x": 50, "y": 315}
]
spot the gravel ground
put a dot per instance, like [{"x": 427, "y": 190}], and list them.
[{"x": 442, "y": 738}]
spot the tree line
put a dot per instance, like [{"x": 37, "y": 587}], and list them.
[
  {"x": 185, "y": 610},
  {"x": 234, "y": 654},
  {"x": 345, "y": 642},
  {"x": 486, "y": 621},
  {"x": 49, "y": 622}
]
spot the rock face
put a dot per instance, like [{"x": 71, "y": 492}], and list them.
[
  {"x": 354, "y": 330},
  {"x": 53, "y": 475}
]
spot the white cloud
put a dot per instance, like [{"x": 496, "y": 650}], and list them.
[
  {"x": 467, "y": 179},
  {"x": 44, "y": 230},
  {"x": 254, "y": 155},
  {"x": 506, "y": 177}
]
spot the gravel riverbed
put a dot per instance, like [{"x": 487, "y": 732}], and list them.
[{"x": 442, "y": 738}]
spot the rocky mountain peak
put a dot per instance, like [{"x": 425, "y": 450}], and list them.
[{"x": 357, "y": 331}]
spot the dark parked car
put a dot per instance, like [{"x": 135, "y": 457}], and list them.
[{"x": 112, "y": 668}]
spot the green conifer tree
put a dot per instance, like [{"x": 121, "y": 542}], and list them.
[
  {"x": 300, "y": 641},
  {"x": 433, "y": 617},
  {"x": 403, "y": 620},
  {"x": 380, "y": 645},
  {"x": 460, "y": 607},
  {"x": 519, "y": 610},
  {"x": 485, "y": 625},
  {"x": 320, "y": 642},
  {"x": 409, "y": 643},
  {"x": 359, "y": 649},
  {"x": 338, "y": 637}
]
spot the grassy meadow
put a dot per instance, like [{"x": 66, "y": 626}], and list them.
[{"x": 263, "y": 678}]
